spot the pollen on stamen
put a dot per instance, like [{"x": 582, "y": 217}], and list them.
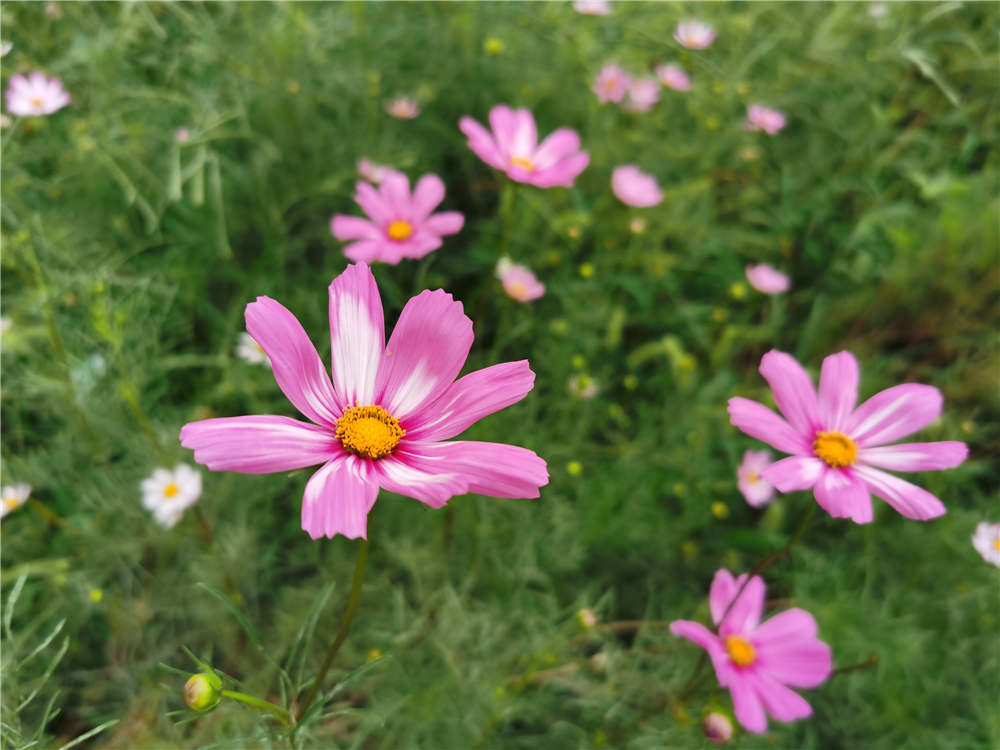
[
  {"x": 399, "y": 230},
  {"x": 170, "y": 490},
  {"x": 835, "y": 449},
  {"x": 525, "y": 164},
  {"x": 740, "y": 650},
  {"x": 369, "y": 431}
]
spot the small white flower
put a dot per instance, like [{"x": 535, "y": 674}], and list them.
[
  {"x": 13, "y": 497},
  {"x": 986, "y": 540},
  {"x": 757, "y": 491},
  {"x": 168, "y": 493},
  {"x": 583, "y": 386},
  {"x": 35, "y": 95},
  {"x": 592, "y": 7},
  {"x": 5, "y": 323},
  {"x": 403, "y": 108},
  {"x": 250, "y": 351},
  {"x": 694, "y": 34},
  {"x": 5, "y": 47}
]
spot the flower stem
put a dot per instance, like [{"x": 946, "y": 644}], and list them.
[
  {"x": 345, "y": 626},
  {"x": 283, "y": 716}
]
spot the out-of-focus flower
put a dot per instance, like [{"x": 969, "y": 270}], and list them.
[
  {"x": 737, "y": 290},
  {"x": 5, "y": 323},
  {"x": 643, "y": 93},
  {"x": 634, "y": 187},
  {"x": 611, "y": 84},
  {"x": 518, "y": 281},
  {"x": 587, "y": 270},
  {"x": 513, "y": 147},
  {"x": 583, "y": 386},
  {"x": 13, "y": 497},
  {"x": 182, "y": 135},
  {"x": 592, "y": 7},
  {"x": 35, "y": 95},
  {"x": 167, "y": 494},
  {"x": 755, "y": 660},
  {"x": 372, "y": 171},
  {"x": 637, "y": 225},
  {"x": 52, "y": 10},
  {"x": 586, "y": 618},
  {"x": 836, "y": 447},
  {"x": 403, "y": 108},
  {"x": 493, "y": 45},
  {"x": 250, "y": 351},
  {"x": 767, "y": 279},
  {"x": 5, "y": 47},
  {"x": 986, "y": 540},
  {"x": 764, "y": 118},
  {"x": 384, "y": 420},
  {"x": 673, "y": 77},
  {"x": 757, "y": 491},
  {"x": 399, "y": 225},
  {"x": 574, "y": 468},
  {"x": 4, "y": 122},
  {"x": 694, "y": 34},
  {"x": 720, "y": 510},
  {"x": 718, "y": 729},
  {"x": 878, "y": 10}
]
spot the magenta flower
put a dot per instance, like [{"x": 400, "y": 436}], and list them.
[
  {"x": 643, "y": 93},
  {"x": 518, "y": 281},
  {"x": 764, "y": 118},
  {"x": 673, "y": 77},
  {"x": 835, "y": 447},
  {"x": 611, "y": 84},
  {"x": 757, "y": 661},
  {"x": 383, "y": 420},
  {"x": 766, "y": 279},
  {"x": 755, "y": 489},
  {"x": 513, "y": 147},
  {"x": 399, "y": 225},
  {"x": 35, "y": 95},
  {"x": 634, "y": 187},
  {"x": 694, "y": 34}
]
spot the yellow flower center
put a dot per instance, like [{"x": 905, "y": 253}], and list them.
[
  {"x": 835, "y": 448},
  {"x": 171, "y": 489},
  {"x": 369, "y": 431},
  {"x": 996, "y": 543},
  {"x": 525, "y": 164},
  {"x": 753, "y": 477},
  {"x": 11, "y": 502},
  {"x": 37, "y": 102},
  {"x": 741, "y": 651},
  {"x": 400, "y": 230},
  {"x": 518, "y": 291}
]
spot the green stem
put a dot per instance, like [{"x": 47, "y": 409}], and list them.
[
  {"x": 345, "y": 626},
  {"x": 46, "y": 512},
  {"x": 508, "y": 203},
  {"x": 283, "y": 716}
]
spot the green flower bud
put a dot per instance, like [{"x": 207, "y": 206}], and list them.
[{"x": 201, "y": 692}]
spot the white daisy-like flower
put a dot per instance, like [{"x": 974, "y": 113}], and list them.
[
  {"x": 35, "y": 95},
  {"x": 250, "y": 351},
  {"x": 5, "y": 47},
  {"x": 13, "y": 497},
  {"x": 694, "y": 34},
  {"x": 168, "y": 493},
  {"x": 986, "y": 540}
]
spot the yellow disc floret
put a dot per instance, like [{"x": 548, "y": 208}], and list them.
[
  {"x": 835, "y": 448},
  {"x": 400, "y": 230},
  {"x": 525, "y": 164},
  {"x": 170, "y": 490},
  {"x": 740, "y": 650},
  {"x": 369, "y": 431}
]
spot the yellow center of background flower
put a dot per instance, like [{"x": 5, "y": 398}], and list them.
[
  {"x": 400, "y": 230},
  {"x": 835, "y": 448},
  {"x": 517, "y": 290},
  {"x": 36, "y": 103},
  {"x": 753, "y": 477},
  {"x": 996, "y": 543},
  {"x": 171, "y": 489},
  {"x": 526, "y": 164},
  {"x": 369, "y": 431},
  {"x": 741, "y": 651},
  {"x": 11, "y": 502}
]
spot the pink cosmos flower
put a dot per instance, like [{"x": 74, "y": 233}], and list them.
[
  {"x": 764, "y": 118},
  {"x": 518, "y": 281},
  {"x": 182, "y": 135},
  {"x": 694, "y": 34},
  {"x": 383, "y": 421},
  {"x": 592, "y": 7},
  {"x": 766, "y": 279},
  {"x": 986, "y": 540},
  {"x": 513, "y": 147},
  {"x": 643, "y": 93},
  {"x": 403, "y": 108},
  {"x": 373, "y": 172},
  {"x": 836, "y": 446},
  {"x": 756, "y": 491},
  {"x": 399, "y": 225},
  {"x": 673, "y": 77},
  {"x": 757, "y": 661},
  {"x": 634, "y": 187},
  {"x": 35, "y": 95},
  {"x": 611, "y": 84}
]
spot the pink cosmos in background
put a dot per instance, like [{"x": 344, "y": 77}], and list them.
[
  {"x": 757, "y": 661},
  {"x": 986, "y": 540},
  {"x": 836, "y": 447},
  {"x": 592, "y": 7},
  {"x": 764, "y": 118},
  {"x": 403, "y": 108},
  {"x": 694, "y": 34},
  {"x": 399, "y": 225},
  {"x": 673, "y": 77},
  {"x": 611, "y": 84},
  {"x": 373, "y": 172},
  {"x": 766, "y": 279},
  {"x": 518, "y": 281},
  {"x": 755, "y": 489},
  {"x": 383, "y": 420},
  {"x": 634, "y": 187},
  {"x": 513, "y": 147},
  {"x": 182, "y": 135},
  {"x": 643, "y": 93},
  {"x": 35, "y": 95}
]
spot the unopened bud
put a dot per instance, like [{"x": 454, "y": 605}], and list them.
[
  {"x": 586, "y": 618},
  {"x": 201, "y": 691},
  {"x": 718, "y": 728}
]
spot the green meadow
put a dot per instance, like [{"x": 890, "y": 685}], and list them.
[{"x": 128, "y": 257}]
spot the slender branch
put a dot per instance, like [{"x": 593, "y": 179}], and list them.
[
  {"x": 283, "y": 716},
  {"x": 868, "y": 663}
]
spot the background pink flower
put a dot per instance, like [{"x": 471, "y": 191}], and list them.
[
  {"x": 611, "y": 84},
  {"x": 673, "y": 77},
  {"x": 513, "y": 147},
  {"x": 399, "y": 225},
  {"x": 754, "y": 487},
  {"x": 518, "y": 281},
  {"x": 643, "y": 93},
  {"x": 764, "y": 118},
  {"x": 592, "y": 7},
  {"x": 634, "y": 187},
  {"x": 694, "y": 34},
  {"x": 986, "y": 540},
  {"x": 35, "y": 95},
  {"x": 403, "y": 108},
  {"x": 836, "y": 447},
  {"x": 373, "y": 172},
  {"x": 766, "y": 279}
]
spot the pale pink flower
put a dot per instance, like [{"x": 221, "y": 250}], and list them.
[
  {"x": 611, "y": 84},
  {"x": 766, "y": 279},
  {"x": 399, "y": 225},
  {"x": 513, "y": 147},
  {"x": 518, "y": 281},
  {"x": 756, "y": 490},
  {"x": 836, "y": 447},
  {"x": 373, "y": 172},
  {"x": 717, "y": 728},
  {"x": 637, "y": 225},
  {"x": 403, "y": 108},
  {"x": 673, "y": 77},
  {"x": 758, "y": 661},
  {"x": 5, "y": 47},
  {"x": 35, "y": 95},
  {"x": 634, "y": 187},
  {"x": 592, "y": 7},
  {"x": 694, "y": 34},
  {"x": 764, "y": 118},
  {"x": 182, "y": 135},
  {"x": 986, "y": 540},
  {"x": 13, "y": 497},
  {"x": 383, "y": 420},
  {"x": 643, "y": 93}
]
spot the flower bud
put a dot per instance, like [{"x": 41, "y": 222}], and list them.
[
  {"x": 718, "y": 728},
  {"x": 201, "y": 691},
  {"x": 586, "y": 618}
]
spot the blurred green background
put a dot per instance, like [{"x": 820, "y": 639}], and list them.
[{"x": 128, "y": 259}]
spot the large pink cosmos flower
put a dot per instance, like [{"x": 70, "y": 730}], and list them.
[
  {"x": 513, "y": 148},
  {"x": 382, "y": 421},
  {"x": 836, "y": 446},
  {"x": 399, "y": 225},
  {"x": 35, "y": 95},
  {"x": 755, "y": 660},
  {"x": 634, "y": 187}
]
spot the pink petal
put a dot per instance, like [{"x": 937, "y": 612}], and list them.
[
  {"x": 756, "y": 493},
  {"x": 561, "y": 174},
  {"x": 946, "y": 454},
  {"x": 791, "y": 625},
  {"x": 908, "y": 499},
  {"x": 446, "y": 222},
  {"x": 470, "y": 398},
  {"x": 721, "y": 593},
  {"x": 746, "y": 704},
  {"x": 756, "y": 420},
  {"x": 794, "y": 473},
  {"x": 697, "y": 634},
  {"x": 504, "y": 126},
  {"x": 258, "y": 444},
  {"x": 370, "y": 251},
  {"x": 353, "y": 228},
  {"x": 419, "y": 244},
  {"x": 395, "y": 192},
  {"x": 793, "y": 391},
  {"x": 745, "y": 613},
  {"x": 297, "y": 367},
  {"x": 357, "y": 334},
  {"x": 414, "y": 475},
  {"x": 788, "y": 651},
  {"x": 372, "y": 203},
  {"x": 338, "y": 498},
  {"x": 560, "y": 144},
  {"x": 838, "y": 390},
  {"x": 492, "y": 469},
  {"x": 428, "y": 193},
  {"x": 482, "y": 143},
  {"x": 783, "y": 704},
  {"x": 525, "y": 134},
  {"x": 843, "y": 495},
  {"x": 894, "y": 413},
  {"x": 425, "y": 353}
]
